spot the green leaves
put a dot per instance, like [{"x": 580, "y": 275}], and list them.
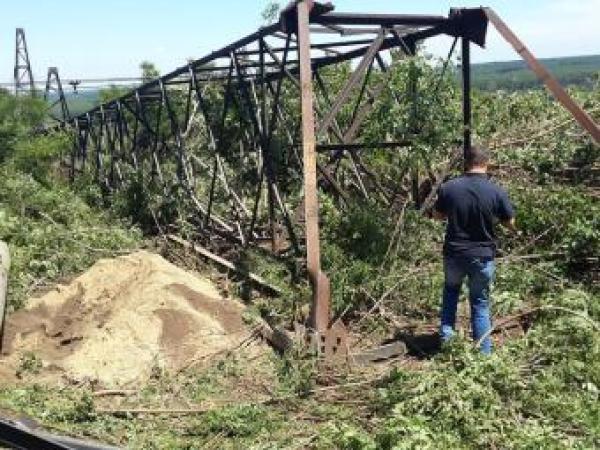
[
  {"x": 18, "y": 116},
  {"x": 52, "y": 233},
  {"x": 236, "y": 421}
]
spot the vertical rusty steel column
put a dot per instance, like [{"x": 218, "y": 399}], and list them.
[
  {"x": 466, "y": 87},
  {"x": 320, "y": 312}
]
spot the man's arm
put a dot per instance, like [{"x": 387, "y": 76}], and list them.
[
  {"x": 439, "y": 207},
  {"x": 506, "y": 212}
]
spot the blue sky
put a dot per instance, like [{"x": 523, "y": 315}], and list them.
[{"x": 111, "y": 37}]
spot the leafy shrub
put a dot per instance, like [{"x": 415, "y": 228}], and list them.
[
  {"x": 52, "y": 233},
  {"x": 18, "y": 117},
  {"x": 236, "y": 421},
  {"x": 345, "y": 437},
  {"x": 40, "y": 155}
]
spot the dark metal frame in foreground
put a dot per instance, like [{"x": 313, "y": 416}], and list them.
[
  {"x": 18, "y": 435},
  {"x": 255, "y": 171}
]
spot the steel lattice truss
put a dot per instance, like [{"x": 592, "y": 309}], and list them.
[
  {"x": 261, "y": 149},
  {"x": 23, "y": 76},
  {"x": 147, "y": 129},
  {"x": 248, "y": 133},
  {"x": 54, "y": 87}
]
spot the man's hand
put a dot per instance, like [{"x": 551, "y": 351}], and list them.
[{"x": 511, "y": 225}]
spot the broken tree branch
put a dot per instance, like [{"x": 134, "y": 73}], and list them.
[{"x": 257, "y": 280}]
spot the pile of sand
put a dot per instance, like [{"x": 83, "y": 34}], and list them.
[{"x": 121, "y": 320}]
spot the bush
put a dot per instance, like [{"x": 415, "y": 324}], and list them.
[{"x": 52, "y": 233}]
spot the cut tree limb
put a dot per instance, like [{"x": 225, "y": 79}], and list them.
[
  {"x": 259, "y": 281},
  {"x": 114, "y": 393},
  {"x": 278, "y": 338}
]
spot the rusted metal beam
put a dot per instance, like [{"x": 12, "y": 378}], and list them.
[
  {"x": 466, "y": 93},
  {"x": 545, "y": 76},
  {"x": 320, "y": 314},
  {"x": 321, "y": 46},
  {"x": 379, "y": 19},
  {"x": 357, "y": 75}
]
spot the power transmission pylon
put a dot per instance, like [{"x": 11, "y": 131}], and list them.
[
  {"x": 23, "y": 74},
  {"x": 54, "y": 85}
]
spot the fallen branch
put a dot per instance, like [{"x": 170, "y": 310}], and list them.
[
  {"x": 246, "y": 341},
  {"x": 511, "y": 258},
  {"x": 396, "y": 235},
  {"x": 115, "y": 393},
  {"x": 81, "y": 244},
  {"x": 141, "y": 411},
  {"x": 592, "y": 322},
  {"x": 259, "y": 281},
  {"x": 537, "y": 133},
  {"x": 192, "y": 411},
  {"x": 428, "y": 203}
]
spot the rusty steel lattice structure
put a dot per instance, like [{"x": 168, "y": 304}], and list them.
[
  {"x": 54, "y": 88},
  {"x": 264, "y": 154},
  {"x": 23, "y": 75}
]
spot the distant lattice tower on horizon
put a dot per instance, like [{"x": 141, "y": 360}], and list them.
[
  {"x": 54, "y": 87},
  {"x": 23, "y": 75}
]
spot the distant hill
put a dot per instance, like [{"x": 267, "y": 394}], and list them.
[
  {"x": 515, "y": 75},
  {"x": 82, "y": 101},
  {"x": 78, "y": 103}
]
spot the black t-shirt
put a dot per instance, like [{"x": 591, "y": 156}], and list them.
[{"x": 472, "y": 204}]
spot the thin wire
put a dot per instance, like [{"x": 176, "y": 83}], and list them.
[{"x": 84, "y": 81}]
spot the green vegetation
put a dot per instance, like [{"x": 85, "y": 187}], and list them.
[
  {"x": 51, "y": 231},
  {"x": 78, "y": 102},
  {"x": 541, "y": 387},
  {"x": 581, "y": 71}
]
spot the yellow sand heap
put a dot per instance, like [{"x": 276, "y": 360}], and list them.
[{"x": 122, "y": 319}]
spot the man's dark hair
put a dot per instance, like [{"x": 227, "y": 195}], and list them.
[{"x": 476, "y": 156}]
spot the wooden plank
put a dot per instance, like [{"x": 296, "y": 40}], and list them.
[{"x": 388, "y": 351}]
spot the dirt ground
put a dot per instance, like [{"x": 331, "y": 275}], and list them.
[{"x": 118, "y": 323}]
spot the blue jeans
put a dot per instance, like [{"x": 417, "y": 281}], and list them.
[{"x": 480, "y": 273}]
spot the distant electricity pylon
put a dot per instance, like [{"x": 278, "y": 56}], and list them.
[
  {"x": 23, "y": 75},
  {"x": 54, "y": 85}
]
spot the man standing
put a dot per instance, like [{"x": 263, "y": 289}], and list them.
[{"x": 472, "y": 205}]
